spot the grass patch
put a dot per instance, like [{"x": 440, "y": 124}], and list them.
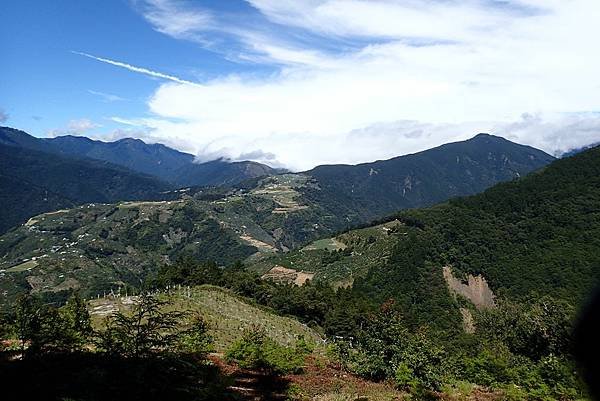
[
  {"x": 30, "y": 264},
  {"x": 329, "y": 244},
  {"x": 227, "y": 315}
]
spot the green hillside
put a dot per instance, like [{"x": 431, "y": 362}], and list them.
[
  {"x": 34, "y": 181},
  {"x": 341, "y": 259},
  {"x": 537, "y": 235},
  {"x": 94, "y": 248},
  {"x": 226, "y": 314},
  {"x": 358, "y": 194},
  {"x": 98, "y": 247}
]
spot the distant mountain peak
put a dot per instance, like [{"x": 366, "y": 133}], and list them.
[
  {"x": 131, "y": 140},
  {"x": 486, "y": 136}
]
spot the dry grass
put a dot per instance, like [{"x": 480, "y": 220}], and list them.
[
  {"x": 30, "y": 264},
  {"x": 324, "y": 382}
]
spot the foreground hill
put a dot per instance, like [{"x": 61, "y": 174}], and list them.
[
  {"x": 34, "y": 181},
  {"x": 226, "y": 314}
]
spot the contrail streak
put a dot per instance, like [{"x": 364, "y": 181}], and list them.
[{"x": 140, "y": 70}]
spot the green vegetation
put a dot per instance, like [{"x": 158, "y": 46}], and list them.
[
  {"x": 340, "y": 259},
  {"x": 523, "y": 346},
  {"x": 226, "y": 315},
  {"x": 537, "y": 235},
  {"x": 378, "y": 295},
  {"x": 144, "y": 354},
  {"x": 33, "y": 181},
  {"x": 255, "y": 350},
  {"x": 357, "y": 194}
]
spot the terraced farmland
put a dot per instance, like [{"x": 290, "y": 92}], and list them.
[{"x": 336, "y": 260}]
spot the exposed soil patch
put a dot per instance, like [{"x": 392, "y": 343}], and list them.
[
  {"x": 262, "y": 246},
  {"x": 476, "y": 289},
  {"x": 282, "y": 274}
]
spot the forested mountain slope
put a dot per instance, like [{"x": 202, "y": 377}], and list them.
[
  {"x": 167, "y": 164},
  {"x": 371, "y": 190},
  {"x": 33, "y": 182},
  {"x": 257, "y": 219},
  {"x": 532, "y": 237},
  {"x": 539, "y": 234}
]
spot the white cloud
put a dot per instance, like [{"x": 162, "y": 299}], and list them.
[
  {"x": 75, "y": 127},
  {"x": 363, "y": 80},
  {"x": 3, "y": 116},
  {"x": 555, "y": 133},
  {"x": 175, "y": 20}
]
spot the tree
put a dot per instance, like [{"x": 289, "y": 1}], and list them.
[
  {"x": 77, "y": 327},
  {"x": 255, "y": 350},
  {"x": 195, "y": 339},
  {"x": 43, "y": 328},
  {"x": 147, "y": 329},
  {"x": 28, "y": 322},
  {"x": 533, "y": 329}
]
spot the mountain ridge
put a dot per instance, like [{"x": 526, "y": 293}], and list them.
[
  {"x": 422, "y": 178},
  {"x": 249, "y": 222},
  {"x": 35, "y": 182},
  {"x": 165, "y": 163}
]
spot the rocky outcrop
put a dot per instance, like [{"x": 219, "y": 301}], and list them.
[{"x": 476, "y": 289}]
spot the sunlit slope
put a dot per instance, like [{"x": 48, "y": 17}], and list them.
[{"x": 226, "y": 314}]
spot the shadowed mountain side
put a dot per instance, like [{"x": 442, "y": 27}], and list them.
[
  {"x": 167, "y": 164},
  {"x": 371, "y": 190},
  {"x": 34, "y": 182}
]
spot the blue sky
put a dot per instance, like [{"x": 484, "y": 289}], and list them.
[
  {"x": 45, "y": 85},
  {"x": 300, "y": 83}
]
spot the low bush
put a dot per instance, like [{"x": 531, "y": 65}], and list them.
[{"x": 255, "y": 350}]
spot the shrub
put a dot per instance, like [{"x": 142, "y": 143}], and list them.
[
  {"x": 405, "y": 377},
  {"x": 255, "y": 350},
  {"x": 195, "y": 339}
]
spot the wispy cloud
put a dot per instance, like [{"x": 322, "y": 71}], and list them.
[
  {"x": 175, "y": 20},
  {"x": 107, "y": 97},
  {"x": 3, "y": 116},
  {"x": 75, "y": 127},
  {"x": 133, "y": 68}
]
